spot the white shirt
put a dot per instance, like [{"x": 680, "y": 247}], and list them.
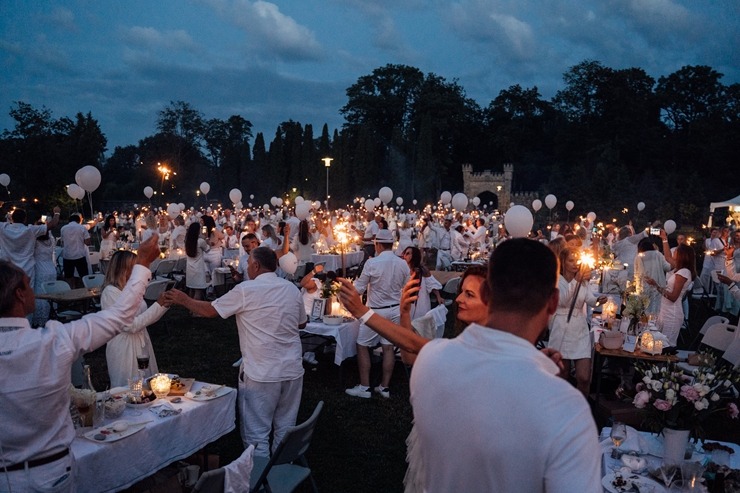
[
  {"x": 491, "y": 399},
  {"x": 17, "y": 242},
  {"x": 459, "y": 245},
  {"x": 177, "y": 238},
  {"x": 384, "y": 277},
  {"x": 625, "y": 251},
  {"x": 268, "y": 312},
  {"x": 35, "y": 365},
  {"x": 370, "y": 231},
  {"x": 73, "y": 237}
]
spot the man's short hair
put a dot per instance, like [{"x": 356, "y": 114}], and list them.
[
  {"x": 19, "y": 216},
  {"x": 266, "y": 258},
  {"x": 521, "y": 276},
  {"x": 11, "y": 278},
  {"x": 75, "y": 218},
  {"x": 250, "y": 237}
]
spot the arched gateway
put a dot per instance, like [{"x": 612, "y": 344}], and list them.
[{"x": 487, "y": 184}]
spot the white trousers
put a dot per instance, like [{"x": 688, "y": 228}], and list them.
[
  {"x": 55, "y": 477},
  {"x": 266, "y": 406}
]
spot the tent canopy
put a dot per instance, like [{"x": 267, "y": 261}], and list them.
[{"x": 727, "y": 203}]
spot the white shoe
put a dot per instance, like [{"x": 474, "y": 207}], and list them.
[
  {"x": 310, "y": 358},
  {"x": 384, "y": 392},
  {"x": 359, "y": 391}
]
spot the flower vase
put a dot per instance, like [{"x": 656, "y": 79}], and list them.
[
  {"x": 327, "y": 305},
  {"x": 674, "y": 445},
  {"x": 633, "y": 326}
]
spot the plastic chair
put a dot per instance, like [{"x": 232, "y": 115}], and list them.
[
  {"x": 51, "y": 287},
  {"x": 164, "y": 269},
  {"x": 719, "y": 336},
  {"x": 94, "y": 258},
  {"x": 156, "y": 288},
  {"x": 713, "y": 320},
  {"x": 732, "y": 353},
  {"x": 450, "y": 288},
  {"x": 215, "y": 481},
  {"x": 93, "y": 280},
  {"x": 287, "y": 468}
]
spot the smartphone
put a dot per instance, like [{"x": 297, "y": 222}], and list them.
[
  {"x": 44, "y": 218},
  {"x": 655, "y": 231},
  {"x": 204, "y": 230}
]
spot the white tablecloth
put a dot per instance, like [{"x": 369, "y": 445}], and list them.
[
  {"x": 114, "y": 466},
  {"x": 344, "y": 334},
  {"x": 334, "y": 262}
]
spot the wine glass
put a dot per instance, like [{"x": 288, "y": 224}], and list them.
[
  {"x": 142, "y": 360},
  {"x": 618, "y": 435},
  {"x": 667, "y": 472}
]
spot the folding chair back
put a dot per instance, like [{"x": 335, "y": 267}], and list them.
[
  {"x": 452, "y": 286},
  {"x": 156, "y": 288},
  {"x": 732, "y": 354},
  {"x": 719, "y": 336},
  {"x": 51, "y": 287},
  {"x": 210, "y": 482},
  {"x": 93, "y": 280},
  {"x": 165, "y": 268}
]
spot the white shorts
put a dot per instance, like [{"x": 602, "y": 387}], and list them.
[{"x": 368, "y": 337}]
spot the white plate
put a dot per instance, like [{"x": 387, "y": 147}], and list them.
[
  {"x": 200, "y": 394},
  {"x": 636, "y": 479},
  {"x": 114, "y": 436},
  {"x": 140, "y": 406}
]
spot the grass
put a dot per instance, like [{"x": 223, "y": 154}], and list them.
[{"x": 359, "y": 444}]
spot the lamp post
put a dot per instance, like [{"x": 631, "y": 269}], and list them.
[{"x": 327, "y": 163}]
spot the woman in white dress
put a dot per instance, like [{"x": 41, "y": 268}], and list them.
[
  {"x": 270, "y": 238},
  {"x": 45, "y": 270},
  {"x": 671, "y": 315},
  {"x": 573, "y": 337},
  {"x": 650, "y": 263},
  {"x": 405, "y": 235},
  {"x": 302, "y": 244},
  {"x": 109, "y": 236},
  {"x": 195, "y": 273},
  {"x": 429, "y": 285},
  {"x": 215, "y": 240},
  {"x": 122, "y": 350}
]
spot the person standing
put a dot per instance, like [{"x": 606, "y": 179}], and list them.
[
  {"x": 269, "y": 314},
  {"x": 75, "y": 240},
  {"x": 368, "y": 236},
  {"x": 35, "y": 365},
  {"x": 491, "y": 397},
  {"x": 45, "y": 270},
  {"x": 177, "y": 237},
  {"x": 384, "y": 277},
  {"x": 17, "y": 240}
]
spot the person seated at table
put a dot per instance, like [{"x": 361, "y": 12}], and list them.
[
  {"x": 270, "y": 239},
  {"x": 121, "y": 351},
  {"x": 230, "y": 239},
  {"x": 429, "y": 285},
  {"x": 196, "y": 279},
  {"x": 569, "y": 330},
  {"x": 302, "y": 244},
  {"x": 311, "y": 287},
  {"x": 249, "y": 243},
  {"x": 269, "y": 314},
  {"x": 35, "y": 367}
]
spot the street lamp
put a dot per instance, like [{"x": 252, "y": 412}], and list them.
[{"x": 327, "y": 163}]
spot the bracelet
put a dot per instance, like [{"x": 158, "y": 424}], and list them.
[
  {"x": 363, "y": 319},
  {"x": 665, "y": 241}
]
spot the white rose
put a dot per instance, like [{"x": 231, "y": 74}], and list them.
[
  {"x": 710, "y": 377},
  {"x": 646, "y": 379},
  {"x": 648, "y": 374},
  {"x": 715, "y": 397},
  {"x": 701, "y": 405},
  {"x": 670, "y": 395},
  {"x": 726, "y": 383},
  {"x": 656, "y": 385}
]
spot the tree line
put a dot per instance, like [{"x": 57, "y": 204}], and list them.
[{"x": 608, "y": 139}]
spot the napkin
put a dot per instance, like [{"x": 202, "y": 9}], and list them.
[
  {"x": 237, "y": 474},
  {"x": 164, "y": 409}
]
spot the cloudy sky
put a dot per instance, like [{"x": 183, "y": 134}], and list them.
[{"x": 274, "y": 61}]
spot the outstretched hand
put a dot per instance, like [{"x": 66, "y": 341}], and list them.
[
  {"x": 350, "y": 298},
  {"x": 148, "y": 251},
  {"x": 173, "y": 297},
  {"x": 410, "y": 293}
]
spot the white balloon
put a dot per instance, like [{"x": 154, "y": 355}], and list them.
[
  {"x": 377, "y": 202},
  {"x": 273, "y": 201},
  {"x": 303, "y": 210},
  {"x": 279, "y": 202},
  {"x": 173, "y": 210},
  {"x": 251, "y": 196},
  {"x": 640, "y": 206},
  {"x": 181, "y": 206},
  {"x": 205, "y": 187},
  {"x": 298, "y": 200},
  {"x": 460, "y": 201},
  {"x": 369, "y": 204},
  {"x": 476, "y": 201},
  {"x": 669, "y": 226},
  {"x": 249, "y": 204},
  {"x": 550, "y": 201},
  {"x": 413, "y": 201},
  {"x": 73, "y": 191},
  {"x": 88, "y": 177},
  {"x": 569, "y": 205},
  {"x": 235, "y": 195},
  {"x": 148, "y": 192},
  {"x": 445, "y": 198},
  {"x": 239, "y": 205},
  {"x": 536, "y": 204},
  {"x": 4, "y": 180},
  {"x": 266, "y": 207},
  {"x": 591, "y": 216},
  {"x": 316, "y": 205},
  {"x": 385, "y": 194},
  {"x": 399, "y": 201},
  {"x": 518, "y": 221},
  {"x": 289, "y": 263}
]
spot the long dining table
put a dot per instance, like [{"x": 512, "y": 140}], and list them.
[
  {"x": 333, "y": 262},
  {"x": 113, "y": 465}
]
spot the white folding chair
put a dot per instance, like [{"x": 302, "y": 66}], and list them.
[
  {"x": 93, "y": 280},
  {"x": 94, "y": 258},
  {"x": 51, "y": 287},
  {"x": 156, "y": 288},
  {"x": 164, "y": 268},
  {"x": 732, "y": 354},
  {"x": 713, "y": 320},
  {"x": 719, "y": 336}
]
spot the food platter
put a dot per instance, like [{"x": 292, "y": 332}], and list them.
[
  {"x": 612, "y": 484},
  {"x": 114, "y": 431},
  {"x": 207, "y": 392}
]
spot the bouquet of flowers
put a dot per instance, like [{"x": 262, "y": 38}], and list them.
[
  {"x": 672, "y": 399},
  {"x": 330, "y": 287},
  {"x": 635, "y": 305}
]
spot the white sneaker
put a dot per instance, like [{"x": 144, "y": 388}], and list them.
[
  {"x": 359, "y": 391},
  {"x": 384, "y": 392},
  {"x": 310, "y": 358}
]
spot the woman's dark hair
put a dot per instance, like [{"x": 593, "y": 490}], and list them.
[
  {"x": 686, "y": 259},
  {"x": 645, "y": 245},
  {"x": 11, "y": 278},
  {"x": 107, "y": 225},
  {"x": 303, "y": 236},
  {"x": 209, "y": 223},
  {"x": 281, "y": 228},
  {"x": 191, "y": 240},
  {"x": 415, "y": 256}
]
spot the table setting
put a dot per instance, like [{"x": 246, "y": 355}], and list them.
[{"x": 113, "y": 455}]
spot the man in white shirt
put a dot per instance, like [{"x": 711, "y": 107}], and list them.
[
  {"x": 491, "y": 397},
  {"x": 444, "y": 255},
  {"x": 230, "y": 239},
  {"x": 177, "y": 237},
  {"x": 75, "y": 240},
  {"x": 383, "y": 277},
  {"x": 269, "y": 314},
  {"x": 458, "y": 245},
  {"x": 368, "y": 236},
  {"x": 625, "y": 248},
  {"x": 17, "y": 240},
  {"x": 249, "y": 243},
  {"x": 35, "y": 366}
]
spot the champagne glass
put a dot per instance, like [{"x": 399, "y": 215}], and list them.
[
  {"x": 667, "y": 472},
  {"x": 618, "y": 435}
]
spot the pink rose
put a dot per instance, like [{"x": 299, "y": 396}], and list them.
[
  {"x": 641, "y": 399},
  {"x": 662, "y": 405},
  {"x": 734, "y": 412},
  {"x": 689, "y": 393}
]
